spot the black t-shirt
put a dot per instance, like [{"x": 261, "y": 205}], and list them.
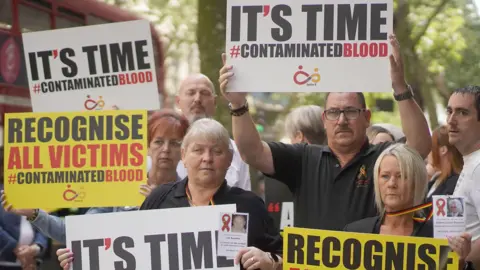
[
  {"x": 327, "y": 196},
  {"x": 261, "y": 230}
]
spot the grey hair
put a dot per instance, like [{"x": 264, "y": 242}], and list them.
[
  {"x": 308, "y": 120},
  {"x": 207, "y": 129},
  {"x": 457, "y": 203},
  {"x": 412, "y": 168}
]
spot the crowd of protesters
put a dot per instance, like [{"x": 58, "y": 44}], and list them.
[{"x": 337, "y": 157}]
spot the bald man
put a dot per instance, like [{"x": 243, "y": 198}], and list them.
[{"x": 196, "y": 99}]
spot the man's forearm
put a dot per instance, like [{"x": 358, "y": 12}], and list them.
[
  {"x": 246, "y": 137},
  {"x": 414, "y": 124}
]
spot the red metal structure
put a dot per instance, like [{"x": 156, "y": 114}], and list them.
[{"x": 19, "y": 16}]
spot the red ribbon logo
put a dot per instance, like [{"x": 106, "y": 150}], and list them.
[
  {"x": 441, "y": 206},
  {"x": 226, "y": 222}
]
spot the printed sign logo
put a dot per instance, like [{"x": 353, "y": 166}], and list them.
[
  {"x": 301, "y": 77},
  {"x": 362, "y": 179},
  {"x": 90, "y": 104},
  {"x": 72, "y": 195}
]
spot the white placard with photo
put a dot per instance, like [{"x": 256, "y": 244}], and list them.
[
  {"x": 232, "y": 233},
  {"x": 176, "y": 238},
  {"x": 448, "y": 215}
]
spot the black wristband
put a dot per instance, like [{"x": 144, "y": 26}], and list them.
[
  {"x": 404, "y": 95},
  {"x": 240, "y": 111}
]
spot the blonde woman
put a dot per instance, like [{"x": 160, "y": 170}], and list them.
[{"x": 400, "y": 180}]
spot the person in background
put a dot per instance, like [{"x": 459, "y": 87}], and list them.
[
  {"x": 400, "y": 184},
  {"x": 304, "y": 124},
  {"x": 166, "y": 130},
  {"x": 396, "y": 131},
  {"x": 463, "y": 121},
  {"x": 207, "y": 153},
  {"x": 21, "y": 245},
  {"x": 447, "y": 161},
  {"x": 377, "y": 134},
  {"x": 196, "y": 99}
]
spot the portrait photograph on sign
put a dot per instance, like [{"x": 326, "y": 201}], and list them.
[{"x": 448, "y": 215}]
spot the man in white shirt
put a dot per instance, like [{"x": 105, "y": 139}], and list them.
[
  {"x": 463, "y": 119},
  {"x": 196, "y": 99}
]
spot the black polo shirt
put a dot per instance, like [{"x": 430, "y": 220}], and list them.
[
  {"x": 327, "y": 196},
  {"x": 261, "y": 230}
]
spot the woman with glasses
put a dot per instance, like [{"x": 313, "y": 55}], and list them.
[{"x": 166, "y": 130}]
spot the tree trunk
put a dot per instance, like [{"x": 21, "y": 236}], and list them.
[{"x": 211, "y": 43}]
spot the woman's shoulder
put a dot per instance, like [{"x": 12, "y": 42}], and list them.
[
  {"x": 366, "y": 225},
  {"x": 158, "y": 195}
]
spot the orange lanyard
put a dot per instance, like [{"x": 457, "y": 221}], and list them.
[
  {"x": 413, "y": 209},
  {"x": 189, "y": 196}
]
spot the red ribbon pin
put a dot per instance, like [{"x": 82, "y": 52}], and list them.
[
  {"x": 441, "y": 205},
  {"x": 226, "y": 222}
]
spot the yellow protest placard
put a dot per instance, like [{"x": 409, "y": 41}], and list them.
[
  {"x": 75, "y": 159},
  {"x": 317, "y": 249}
]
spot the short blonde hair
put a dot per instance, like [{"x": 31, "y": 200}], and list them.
[
  {"x": 308, "y": 120},
  {"x": 207, "y": 129},
  {"x": 412, "y": 168}
]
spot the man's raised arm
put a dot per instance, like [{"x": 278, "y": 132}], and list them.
[
  {"x": 414, "y": 124},
  {"x": 253, "y": 150}
]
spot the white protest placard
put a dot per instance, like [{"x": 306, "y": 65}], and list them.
[
  {"x": 176, "y": 238},
  {"x": 448, "y": 215},
  {"x": 92, "y": 68},
  {"x": 309, "y": 45}
]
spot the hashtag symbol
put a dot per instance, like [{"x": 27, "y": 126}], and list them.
[
  {"x": 36, "y": 88},
  {"x": 235, "y": 51},
  {"x": 12, "y": 179}
]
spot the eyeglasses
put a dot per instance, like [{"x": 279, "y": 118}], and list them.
[{"x": 349, "y": 113}]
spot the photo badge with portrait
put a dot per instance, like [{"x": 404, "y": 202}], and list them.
[
  {"x": 232, "y": 233},
  {"x": 448, "y": 215}
]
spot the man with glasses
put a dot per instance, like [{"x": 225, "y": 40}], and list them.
[{"x": 332, "y": 184}]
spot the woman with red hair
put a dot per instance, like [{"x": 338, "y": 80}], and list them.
[
  {"x": 166, "y": 130},
  {"x": 448, "y": 163}
]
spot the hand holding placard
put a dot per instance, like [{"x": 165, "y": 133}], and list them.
[{"x": 237, "y": 99}]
